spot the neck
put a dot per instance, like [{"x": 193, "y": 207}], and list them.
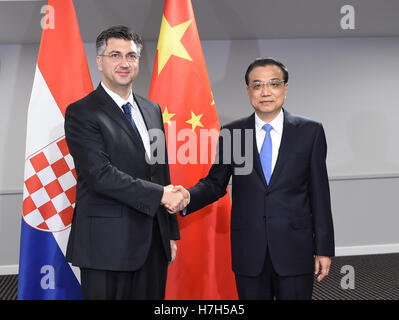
[
  {"x": 122, "y": 91},
  {"x": 268, "y": 117}
]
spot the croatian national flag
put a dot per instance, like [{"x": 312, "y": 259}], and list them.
[{"x": 62, "y": 77}]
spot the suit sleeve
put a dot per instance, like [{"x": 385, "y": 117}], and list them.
[
  {"x": 86, "y": 145},
  {"x": 213, "y": 186},
  {"x": 173, "y": 223},
  {"x": 320, "y": 198}
]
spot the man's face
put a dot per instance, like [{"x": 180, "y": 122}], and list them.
[
  {"x": 267, "y": 100},
  {"x": 118, "y": 74}
]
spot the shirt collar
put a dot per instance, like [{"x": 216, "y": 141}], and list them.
[
  {"x": 276, "y": 123},
  {"x": 117, "y": 98}
]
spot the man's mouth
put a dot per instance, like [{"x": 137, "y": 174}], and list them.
[
  {"x": 123, "y": 73},
  {"x": 266, "y": 101}
]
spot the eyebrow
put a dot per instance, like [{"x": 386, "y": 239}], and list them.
[
  {"x": 116, "y": 51},
  {"x": 268, "y": 80}
]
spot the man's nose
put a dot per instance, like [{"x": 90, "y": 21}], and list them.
[
  {"x": 124, "y": 61},
  {"x": 265, "y": 91}
]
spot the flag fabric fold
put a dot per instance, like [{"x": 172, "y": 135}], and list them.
[
  {"x": 180, "y": 85},
  {"x": 62, "y": 76}
]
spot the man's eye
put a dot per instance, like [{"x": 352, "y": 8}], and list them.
[{"x": 115, "y": 55}]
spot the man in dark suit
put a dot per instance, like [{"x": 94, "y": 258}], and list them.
[
  {"x": 281, "y": 222},
  {"x": 121, "y": 237}
]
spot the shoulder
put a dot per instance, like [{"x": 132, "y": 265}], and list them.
[
  {"x": 303, "y": 128},
  {"x": 148, "y": 105},
  {"x": 242, "y": 123},
  {"x": 146, "y": 102},
  {"x": 83, "y": 104},
  {"x": 301, "y": 121}
]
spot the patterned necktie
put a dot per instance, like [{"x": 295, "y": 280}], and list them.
[
  {"x": 266, "y": 153},
  {"x": 128, "y": 113}
]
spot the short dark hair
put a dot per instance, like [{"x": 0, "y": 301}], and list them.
[
  {"x": 119, "y": 32},
  {"x": 261, "y": 62}
]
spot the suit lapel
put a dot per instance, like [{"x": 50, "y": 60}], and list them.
[
  {"x": 286, "y": 146},
  {"x": 257, "y": 164},
  {"x": 115, "y": 113},
  {"x": 145, "y": 112}
]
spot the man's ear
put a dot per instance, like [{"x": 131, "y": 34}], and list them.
[{"x": 99, "y": 63}]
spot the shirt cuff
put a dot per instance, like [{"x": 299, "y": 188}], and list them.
[{"x": 184, "y": 211}]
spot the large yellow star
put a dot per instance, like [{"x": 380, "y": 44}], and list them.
[
  {"x": 195, "y": 121},
  {"x": 169, "y": 42},
  {"x": 167, "y": 116}
]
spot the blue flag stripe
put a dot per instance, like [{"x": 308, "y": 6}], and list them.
[{"x": 43, "y": 272}]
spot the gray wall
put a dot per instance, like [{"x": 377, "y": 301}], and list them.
[{"x": 347, "y": 84}]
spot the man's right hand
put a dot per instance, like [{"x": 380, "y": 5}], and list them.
[{"x": 174, "y": 198}]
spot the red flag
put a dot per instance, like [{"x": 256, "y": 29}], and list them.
[
  {"x": 180, "y": 84},
  {"x": 62, "y": 77}
]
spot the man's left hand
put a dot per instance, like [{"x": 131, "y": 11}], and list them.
[
  {"x": 323, "y": 263},
  {"x": 173, "y": 250}
]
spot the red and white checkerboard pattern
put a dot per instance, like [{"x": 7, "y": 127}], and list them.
[{"x": 50, "y": 188}]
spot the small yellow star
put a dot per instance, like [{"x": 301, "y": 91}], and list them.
[
  {"x": 213, "y": 100},
  {"x": 167, "y": 116},
  {"x": 195, "y": 121},
  {"x": 169, "y": 42}
]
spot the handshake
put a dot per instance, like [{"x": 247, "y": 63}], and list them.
[{"x": 175, "y": 198}]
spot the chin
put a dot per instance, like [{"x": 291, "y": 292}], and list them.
[
  {"x": 267, "y": 109},
  {"x": 126, "y": 82}
]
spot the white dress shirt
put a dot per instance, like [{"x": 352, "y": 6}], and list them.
[
  {"x": 275, "y": 134},
  {"x": 136, "y": 114}
]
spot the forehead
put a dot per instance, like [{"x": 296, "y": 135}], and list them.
[
  {"x": 265, "y": 73},
  {"x": 122, "y": 45}
]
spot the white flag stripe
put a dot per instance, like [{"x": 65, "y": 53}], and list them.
[{"x": 45, "y": 121}]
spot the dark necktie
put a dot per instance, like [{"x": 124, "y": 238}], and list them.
[
  {"x": 128, "y": 113},
  {"x": 266, "y": 153}
]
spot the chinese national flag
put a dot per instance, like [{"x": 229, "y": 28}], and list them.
[{"x": 180, "y": 84}]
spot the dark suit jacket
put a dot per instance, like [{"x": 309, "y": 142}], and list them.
[
  {"x": 291, "y": 216},
  {"x": 118, "y": 193}
]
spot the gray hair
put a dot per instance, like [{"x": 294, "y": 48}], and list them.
[{"x": 119, "y": 32}]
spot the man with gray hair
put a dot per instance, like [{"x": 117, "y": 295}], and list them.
[
  {"x": 282, "y": 231},
  {"x": 121, "y": 236}
]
